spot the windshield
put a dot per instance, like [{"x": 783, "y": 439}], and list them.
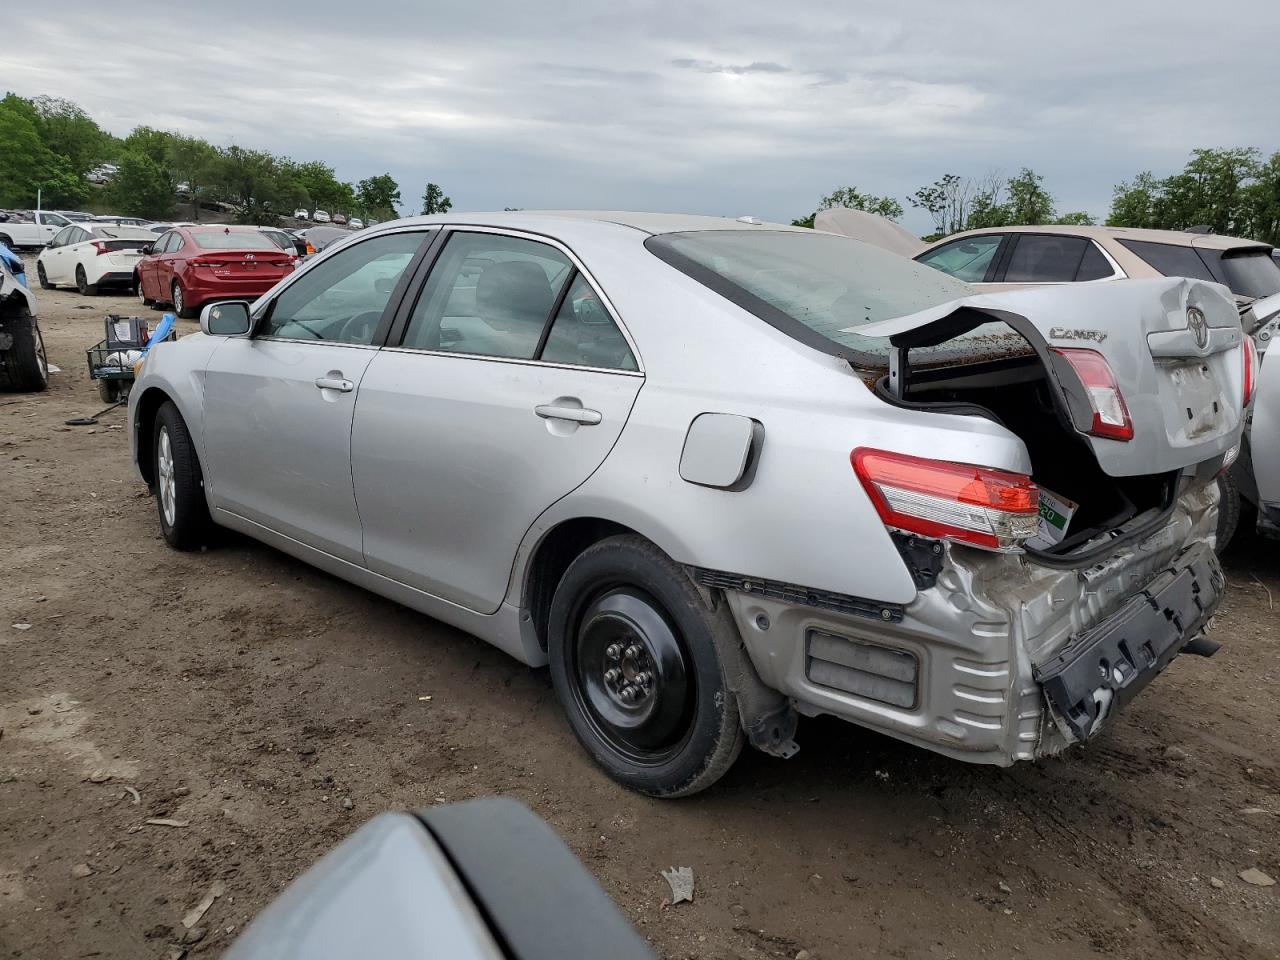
[
  {"x": 237, "y": 240},
  {"x": 808, "y": 284}
]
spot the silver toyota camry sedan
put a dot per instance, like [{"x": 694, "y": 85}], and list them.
[{"x": 718, "y": 474}]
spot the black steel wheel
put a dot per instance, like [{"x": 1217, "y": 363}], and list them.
[{"x": 634, "y": 660}]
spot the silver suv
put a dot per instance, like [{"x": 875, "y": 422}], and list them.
[{"x": 718, "y": 474}]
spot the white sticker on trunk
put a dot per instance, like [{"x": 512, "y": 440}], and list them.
[{"x": 1055, "y": 517}]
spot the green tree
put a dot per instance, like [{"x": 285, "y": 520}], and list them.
[
  {"x": 141, "y": 188},
  {"x": 1029, "y": 202},
  {"x": 854, "y": 199},
  {"x": 434, "y": 200},
  {"x": 70, "y": 132},
  {"x": 1134, "y": 202},
  {"x": 150, "y": 142},
  {"x": 1077, "y": 218},
  {"x": 947, "y": 201},
  {"x": 29, "y": 169},
  {"x": 378, "y": 196},
  {"x": 192, "y": 161}
]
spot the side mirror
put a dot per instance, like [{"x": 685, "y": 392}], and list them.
[
  {"x": 146, "y": 249},
  {"x": 229, "y": 319}
]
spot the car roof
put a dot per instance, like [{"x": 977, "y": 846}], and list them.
[
  {"x": 1209, "y": 241},
  {"x": 650, "y": 223}
]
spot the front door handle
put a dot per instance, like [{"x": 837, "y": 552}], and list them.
[
  {"x": 335, "y": 381},
  {"x": 557, "y": 411}
]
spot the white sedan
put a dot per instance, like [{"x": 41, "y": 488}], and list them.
[{"x": 92, "y": 256}]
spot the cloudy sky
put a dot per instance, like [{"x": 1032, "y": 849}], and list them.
[{"x": 729, "y": 108}]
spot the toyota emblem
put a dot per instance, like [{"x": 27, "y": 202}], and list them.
[{"x": 1198, "y": 326}]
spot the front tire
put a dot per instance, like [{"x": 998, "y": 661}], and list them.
[
  {"x": 137, "y": 292},
  {"x": 86, "y": 288},
  {"x": 634, "y": 662},
  {"x": 180, "y": 306},
  {"x": 184, "y": 512}
]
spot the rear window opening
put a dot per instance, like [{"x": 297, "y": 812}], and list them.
[{"x": 1016, "y": 393}]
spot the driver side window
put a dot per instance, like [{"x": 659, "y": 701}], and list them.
[{"x": 341, "y": 299}]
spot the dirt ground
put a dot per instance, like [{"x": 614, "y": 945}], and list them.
[{"x": 248, "y": 697}]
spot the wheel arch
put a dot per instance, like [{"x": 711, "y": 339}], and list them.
[
  {"x": 554, "y": 550},
  {"x": 147, "y": 406}
]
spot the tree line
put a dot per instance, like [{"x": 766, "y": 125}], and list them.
[
  {"x": 51, "y": 145},
  {"x": 1234, "y": 191}
]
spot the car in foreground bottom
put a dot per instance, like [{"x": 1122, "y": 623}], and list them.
[
  {"x": 484, "y": 879},
  {"x": 717, "y": 475}
]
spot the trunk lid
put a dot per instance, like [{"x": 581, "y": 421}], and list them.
[{"x": 1174, "y": 347}]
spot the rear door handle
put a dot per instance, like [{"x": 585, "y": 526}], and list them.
[
  {"x": 556, "y": 411},
  {"x": 335, "y": 383}
]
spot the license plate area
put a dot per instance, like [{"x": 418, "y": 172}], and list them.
[
  {"x": 1198, "y": 398},
  {"x": 1103, "y": 668}
]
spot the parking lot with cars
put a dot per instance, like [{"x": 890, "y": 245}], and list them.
[{"x": 177, "y": 719}]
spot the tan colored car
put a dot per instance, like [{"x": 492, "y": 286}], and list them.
[{"x": 1072, "y": 254}]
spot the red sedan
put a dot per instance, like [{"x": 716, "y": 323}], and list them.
[{"x": 189, "y": 266}]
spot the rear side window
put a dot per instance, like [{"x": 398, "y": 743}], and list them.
[
  {"x": 1170, "y": 259},
  {"x": 1045, "y": 258},
  {"x": 815, "y": 287},
  {"x": 1095, "y": 265},
  {"x": 584, "y": 334},
  {"x": 967, "y": 259}
]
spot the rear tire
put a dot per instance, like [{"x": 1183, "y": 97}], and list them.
[
  {"x": 180, "y": 500},
  {"x": 1228, "y": 511},
  {"x": 108, "y": 390},
  {"x": 179, "y": 301},
  {"x": 86, "y": 288},
  {"x": 42, "y": 277},
  {"x": 23, "y": 367},
  {"x": 626, "y": 617}
]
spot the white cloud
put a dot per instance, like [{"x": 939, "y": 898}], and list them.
[{"x": 751, "y": 107}]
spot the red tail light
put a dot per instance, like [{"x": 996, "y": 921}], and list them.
[
  {"x": 99, "y": 248},
  {"x": 1110, "y": 415},
  {"x": 978, "y": 506},
  {"x": 1250, "y": 370}
]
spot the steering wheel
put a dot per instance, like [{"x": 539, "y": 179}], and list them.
[{"x": 359, "y": 329}]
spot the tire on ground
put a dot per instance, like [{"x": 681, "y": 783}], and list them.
[
  {"x": 23, "y": 367},
  {"x": 1228, "y": 510},
  {"x": 713, "y": 734},
  {"x": 191, "y": 525}
]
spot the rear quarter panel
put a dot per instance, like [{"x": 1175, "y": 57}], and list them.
[{"x": 805, "y": 518}]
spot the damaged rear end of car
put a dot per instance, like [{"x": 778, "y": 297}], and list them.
[
  {"x": 1076, "y": 581},
  {"x": 1040, "y": 462}
]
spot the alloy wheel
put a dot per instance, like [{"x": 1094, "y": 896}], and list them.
[
  {"x": 177, "y": 299},
  {"x": 164, "y": 474}
]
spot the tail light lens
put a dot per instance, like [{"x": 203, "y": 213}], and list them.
[
  {"x": 99, "y": 248},
  {"x": 310, "y": 248},
  {"x": 1250, "y": 370},
  {"x": 1110, "y": 415},
  {"x": 978, "y": 506}
]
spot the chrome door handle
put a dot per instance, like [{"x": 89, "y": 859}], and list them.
[
  {"x": 555, "y": 411},
  {"x": 335, "y": 383}
]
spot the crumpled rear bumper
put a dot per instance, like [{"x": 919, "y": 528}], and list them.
[{"x": 1104, "y": 667}]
